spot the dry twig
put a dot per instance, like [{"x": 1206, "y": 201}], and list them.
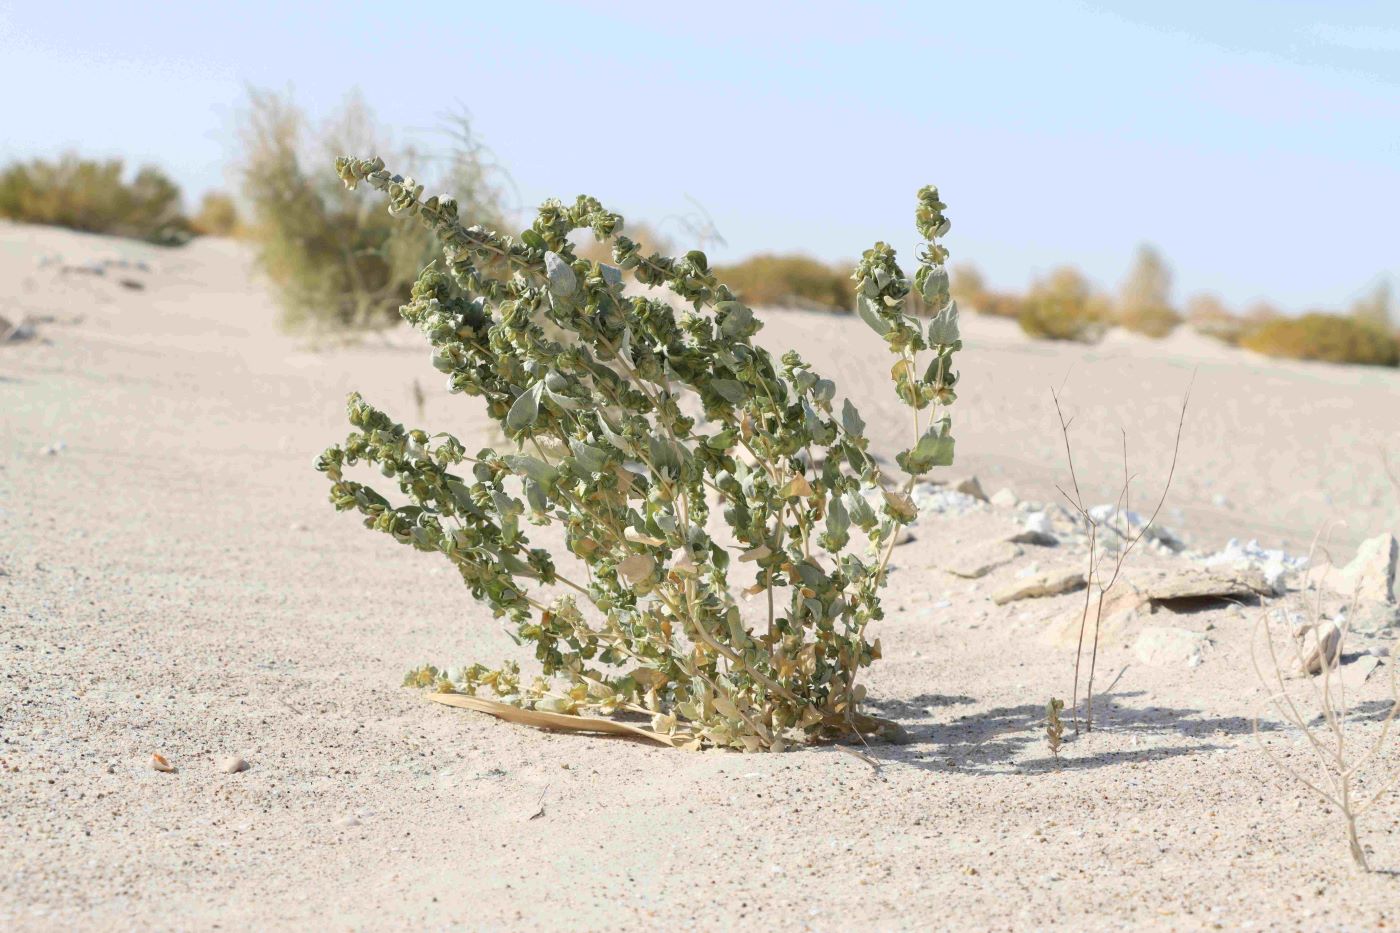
[{"x": 1097, "y": 553}]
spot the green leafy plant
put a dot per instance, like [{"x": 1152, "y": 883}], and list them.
[
  {"x": 790, "y": 281},
  {"x": 1327, "y": 337},
  {"x": 94, "y": 196},
  {"x": 710, "y": 497}
]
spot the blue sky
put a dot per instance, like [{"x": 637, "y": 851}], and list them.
[{"x": 1257, "y": 144}]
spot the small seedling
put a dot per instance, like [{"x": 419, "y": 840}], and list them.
[{"x": 1054, "y": 727}]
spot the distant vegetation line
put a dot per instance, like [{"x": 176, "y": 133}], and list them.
[{"x": 336, "y": 265}]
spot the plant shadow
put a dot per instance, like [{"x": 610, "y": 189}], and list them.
[{"x": 995, "y": 741}]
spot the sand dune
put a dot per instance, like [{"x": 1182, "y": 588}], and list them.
[{"x": 173, "y": 581}]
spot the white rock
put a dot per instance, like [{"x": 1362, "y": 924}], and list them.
[
  {"x": 1004, "y": 499},
  {"x": 1371, "y": 575},
  {"x": 233, "y": 765}
]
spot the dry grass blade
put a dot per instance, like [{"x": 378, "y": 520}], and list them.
[{"x": 559, "y": 722}]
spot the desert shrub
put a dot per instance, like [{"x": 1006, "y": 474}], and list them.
[
  {"x": 790, "y": 281},
  {"x": 1144, "y": 303},
  {"x": 1156, "y": 322},
  {"x": 334, "y": 261},
  {"x": 631, "y": 433},
  {"x": 217, "y": 216},
  {"x": 1376, "y": 309},
  {"x": 1327, "y": 337},
  {"x": 94, "y": 196},
  {"x": 970, "y": 290},
  {"x": 1207, "y": 315},
  {"x": 1064, "y": 307}
]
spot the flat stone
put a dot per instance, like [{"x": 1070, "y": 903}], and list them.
[
  {"x": 1004, "y": 499},
  {"x": 970, "y": 486},
  {"x": 1165, "y": 586},
  {"x": 1049, "y": 583},
  {"x": 982, "y": 559},
  {"x": 1165, "y": 646}
]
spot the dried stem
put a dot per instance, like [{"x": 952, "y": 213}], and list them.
[{"x": 1094, "y": 575}]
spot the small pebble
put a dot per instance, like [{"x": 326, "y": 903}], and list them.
[
  {"x": 234, "y": 765},
  {"x": 161, "y": 763},
  {"x": 345, "y": 822}
]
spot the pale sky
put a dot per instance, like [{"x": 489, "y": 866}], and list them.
[{"x": 1256, "y": 144}]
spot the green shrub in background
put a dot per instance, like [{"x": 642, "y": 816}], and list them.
[
  {"x": 217, "y": 216},
  {"x": 630, "y": 433},
  {"x": 790, "y": 282},
  {"x": 970, "y": 290},
  {"x": 1207, "y": 315},
  {"x": 1144, "y": 304},
  {"x": 93, "y": 196},
  {"x": 1377, "y": 310},
  {"x": 1156, "y": 322},
  {"x": 1063, "y": 306},
  {"x": 335, "y": 261},
  {"x": 1326, "y": 337}
]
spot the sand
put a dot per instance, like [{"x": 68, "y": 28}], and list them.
[{"x": 173, "y": 581}]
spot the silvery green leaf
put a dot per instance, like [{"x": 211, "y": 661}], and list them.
[
  {"x": 851, "y": 420},
  {"x": 562, "y": 281},
  {"x": 934, "y": 449},
  {"x": 870, "y": 314},
  {"x": 534, "y": 495},
  {"x": 943, "y": 328},
  {"x": 935, "y": 285},
  {"x": 524, "y": 410},
  {"x": 860, "y": 510},
  {"x": 592, "y": 459},
  {"x": 732, "y": 390},
  {"x": 611, "y": 274},
  {"x": 738, "y": 322},
  {"x": 535, "y": 469}
]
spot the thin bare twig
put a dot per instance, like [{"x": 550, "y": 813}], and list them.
[{"x": 1094, "y": 576}]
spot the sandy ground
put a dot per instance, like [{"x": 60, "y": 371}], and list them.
[{"x": 172, "y": 580}]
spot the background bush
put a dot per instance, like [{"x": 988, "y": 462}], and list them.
[
  {"x": 1326, "y": 337},
  {"x": 338, "y": 262},
  {"x": 1207, "y": 315},
  {"x": 970, "y": 291},
  {"x": 92, "y": 195},
  {"x": 217, "y": 216},
  {"x": 1064, "y": 307},
  {"x": 790, "y": 281},
  {"x": 1150, "y": 322},
  {"x": 1144, "y": 304}
]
